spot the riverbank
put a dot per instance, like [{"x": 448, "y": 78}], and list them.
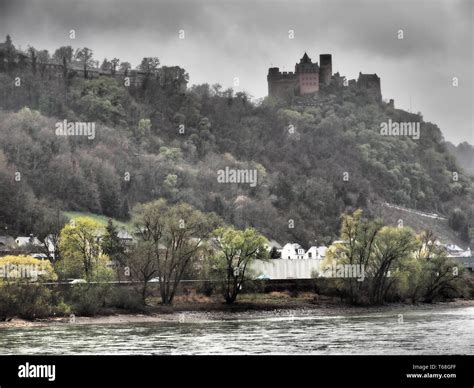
[{"x": 249, "y": 307}]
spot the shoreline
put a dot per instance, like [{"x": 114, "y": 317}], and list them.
[{"x": 232, "y": 313}]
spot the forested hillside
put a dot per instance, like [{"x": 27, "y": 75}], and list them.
[
  {"x": 156, "y": 139},
  {"x": 464, "y": 154}
]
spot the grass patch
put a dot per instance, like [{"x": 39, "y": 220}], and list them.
[{"x": 101, "y": 219}]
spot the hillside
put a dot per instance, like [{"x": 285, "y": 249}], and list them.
[
  {"x": 314, "y": 158},
  {"x": 419, "y": 223},
  {"x": 102, "y": 220}
]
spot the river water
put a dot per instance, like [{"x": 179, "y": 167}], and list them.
[{"x": 443, "y": 331}]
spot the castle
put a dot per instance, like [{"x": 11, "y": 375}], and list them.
[
  {"x": 309, "y": 78},
  {"x": 13, "y": 59}
]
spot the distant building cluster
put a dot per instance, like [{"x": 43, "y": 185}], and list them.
[
  {"x": 309, "y": 78},
  {"x": 294, "y": 251},
  {"x": 295, "y": 262},
  {"x": 45, "y": 249},
  {"x": 290, "y": 261}
]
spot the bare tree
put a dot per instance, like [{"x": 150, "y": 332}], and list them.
[
  {"x": 114, "y": 63},
  {"x": 143, "y": 266},
  {"x": 173, "y": 238}
]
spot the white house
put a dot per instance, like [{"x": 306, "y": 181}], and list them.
[
  {"x": 316, "y": 252},
  {"x": 292, "y": 251},
  {"x": 454, "y": 251},
  {"x": 23, "y": 241},
  {"x": 290, "y": 267}
]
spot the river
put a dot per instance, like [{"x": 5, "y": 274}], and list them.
[{"x": 442, "y": 331}]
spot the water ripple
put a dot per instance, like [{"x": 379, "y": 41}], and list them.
[{"x": 422, "y": 332}]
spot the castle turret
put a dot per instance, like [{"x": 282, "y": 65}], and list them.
[
  {"x": 371, "y": 83},
  {"x": 273, "y": 71},
  {"x": 308, "y": 75},
  {"x": 280, "y": 84},
  {"x": 325, "y": 72},
  {"x": 307, "y": 78}
]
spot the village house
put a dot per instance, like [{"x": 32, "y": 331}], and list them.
[
  {"x": 453, "y": 250},
  {"x": 316, "y": 252},
  {"x": 292, "y": 251},
  {"x": 35, "y": 247},
  {"x": 23, "y": 241},
  {"x": 124, "y": 236}
]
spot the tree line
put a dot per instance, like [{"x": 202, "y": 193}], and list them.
[
  {"x": 176, "y": 242},
  {"x": 399, "y": 265}
]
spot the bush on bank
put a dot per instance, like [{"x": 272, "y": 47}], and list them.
[{"x": 21, "y": 293}]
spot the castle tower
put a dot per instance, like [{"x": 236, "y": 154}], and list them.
[
  {"x": 371, "y": 83},
  {"x": 308, "y": 75},
  {"x": 306, "y": 79},
  {"x": 281, "y": 84},
  {"x": 273, "y": 74},
  {"x": 325, "y": 73}
]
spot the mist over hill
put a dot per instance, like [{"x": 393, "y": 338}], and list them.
[{"x": 464, "y": 155}]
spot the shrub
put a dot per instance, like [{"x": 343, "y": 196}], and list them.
[
  {"x": 20, "y": 293},
  {"x": 206, "y": 288},
  {"x": 126, "y": 299},
  {"x": 254, "y": 286},
  {"x": 8, "y": 304},
  {"x": 34, "y": 301},
  {"x": 88, "y": 299},
  {"x": 29, "y": 301},
  {"x": 294, "y": 292}
]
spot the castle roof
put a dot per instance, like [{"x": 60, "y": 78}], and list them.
[
  {"x": 305, "y": 59},
  {"x": 306, "y": 65},
  {"x": 368, "y": 76}
]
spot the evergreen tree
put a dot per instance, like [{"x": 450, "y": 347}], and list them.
[{"x": 111, "y": 244}]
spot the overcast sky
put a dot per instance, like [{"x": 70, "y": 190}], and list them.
[{"x": 227, "y": 39}]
